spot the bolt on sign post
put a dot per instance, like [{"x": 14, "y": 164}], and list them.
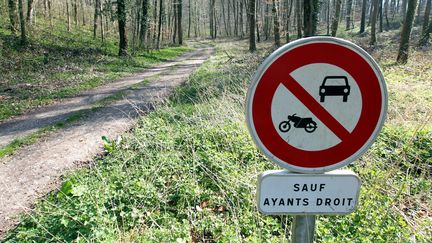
[{"x": 314, "y": 106}]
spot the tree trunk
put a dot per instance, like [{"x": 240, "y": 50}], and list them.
[
  {"x": 22, "y": 23},
  {"x": 155, "y": 20},
  {"x": 328, "y": 17},
  {"x": 190, "y": 19},
  {"x": 245, "y": 4},
  {"x": 335, "y": 21},
  {"x": 298, "y": 17},
  {"x": 196, "y": 22},
  {"x": 406, "y": 32},
  {"x": 363, "y": 17},
  {"x": 50, "y": 13},
  {"x": 257, "y": 10},
  {"x": 95, "y": 18},
  {"x": 143, "y": 22},
  {"x": 29, "y": 11},
  {"x": 101, "y": 21},
  {"x": 68, "y": 16},
  {"x": 288, "y": 20},
  {"x": 179, "y": 21},
  {"x": 404, "y": 8},
  {"x": 348, "y": 14},
  {"x": 241, "y": 20},
  {"x": 276, "y": 24},
  {"x": 175, "y": 9},
  {"x": 215, "y": 24},
  {"x": 211, "y": 16},
  {"x": 234, "y": 4},
  {"x": 75, "y": 11},
  {"x": 83, "y": 13},
  {"x": 229, "y": 17},
  {"x": 12, "y": 15},
  {"x": 266, "y": 21},
  {"x": 159, "y": 24},
  {"x": 380, "y": 13},
  {"x": 419, "y": 10},
  {"x": 310, "y": 17},
  {"x": 121, "y": 17},
  {"x": 426, "y": 17},
  {"x": 45, "y": 8},
  {"x": 251, "y": 13},
  {"x": 386, "y": 9},
  {"x": 424, "y": 39},
  {"x": 373, "y": 21}
]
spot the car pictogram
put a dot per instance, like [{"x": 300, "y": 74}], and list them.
[{"x": 334, "y": 86}]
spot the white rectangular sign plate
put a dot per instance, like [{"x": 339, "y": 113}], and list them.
[{"x": 282, "y": 192}]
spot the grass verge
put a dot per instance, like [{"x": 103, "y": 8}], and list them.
[{"x": 188, "y": 173}]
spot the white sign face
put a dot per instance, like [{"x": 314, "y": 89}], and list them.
[
  {"x": 282, "y": 192},
  {"x": 316, "y": 79}
]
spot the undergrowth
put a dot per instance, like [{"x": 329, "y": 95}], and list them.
[{"x": 188, "y": 173}]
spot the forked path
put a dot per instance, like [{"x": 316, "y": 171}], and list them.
[{"x": 35, "y": 170}]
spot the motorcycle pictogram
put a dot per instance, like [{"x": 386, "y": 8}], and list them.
[{"x": 307, "y": 123}]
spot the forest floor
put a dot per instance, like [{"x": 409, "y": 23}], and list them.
[
  {"x": 106, "y": 112},
  {"x": 187, "y": 171}
]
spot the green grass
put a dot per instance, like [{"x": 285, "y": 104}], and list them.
[
  {"x": 58, "y": 64},
  {"x": 188, "y": 172}
]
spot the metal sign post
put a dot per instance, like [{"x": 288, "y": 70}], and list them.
[
  {"x": 303, "y": 229},
  {"x": 314, "y": 106}
]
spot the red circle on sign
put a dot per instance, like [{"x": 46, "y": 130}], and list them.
[{"x": 332, "y": 51}]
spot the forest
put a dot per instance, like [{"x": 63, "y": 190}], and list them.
[
  {"x": 150, "y": 24},
  {"x": 124, "y": 121}
]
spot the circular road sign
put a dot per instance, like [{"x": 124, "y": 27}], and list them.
[{"x": 316, "y": 104}]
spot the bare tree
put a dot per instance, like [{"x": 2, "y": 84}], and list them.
[
  {"x": 426, "y": 29},
  {"x": 363, "y": 16},
  {"x": 373, "y": 22},
  {"x": 288, "y": 20},
  {"x": 161, "y": 9},
  {"x": 404, "y": 8},
  {"x": 406, "y": 32},
  {"x": 190, "y": 18},
  {"x": 50, "y": 13},
  {"x": 179, "y": 21},
  {"x": 29, "y": 11},
  {"x": 425, "y": 37},
  {"x": 348, "y": 14},
  {"x": 386, "y": 10},
  {"x": 143, "y": 22},
  {"x": 12, "y": 15},
  {"x": 211, "y": 17},
  {"x": 252, "y": 12},
  {"x": 22, "y": 23},
  {"x": 68, "y": 16},
  {"x": 298, "y": 17},
  {"x": 95, "y": 17},
  {"x": 310, "y": 17},
  {"x": 335, "y": 20},
  {"x": 276, "y": 24},
  {"x": 121, "y": 18}
]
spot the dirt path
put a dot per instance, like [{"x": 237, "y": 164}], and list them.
[
  {"x": 35, "y": 170},
  {"x": 29, "y": 123}
]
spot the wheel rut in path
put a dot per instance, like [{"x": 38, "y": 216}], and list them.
[{"x": 35, "y": 169}]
